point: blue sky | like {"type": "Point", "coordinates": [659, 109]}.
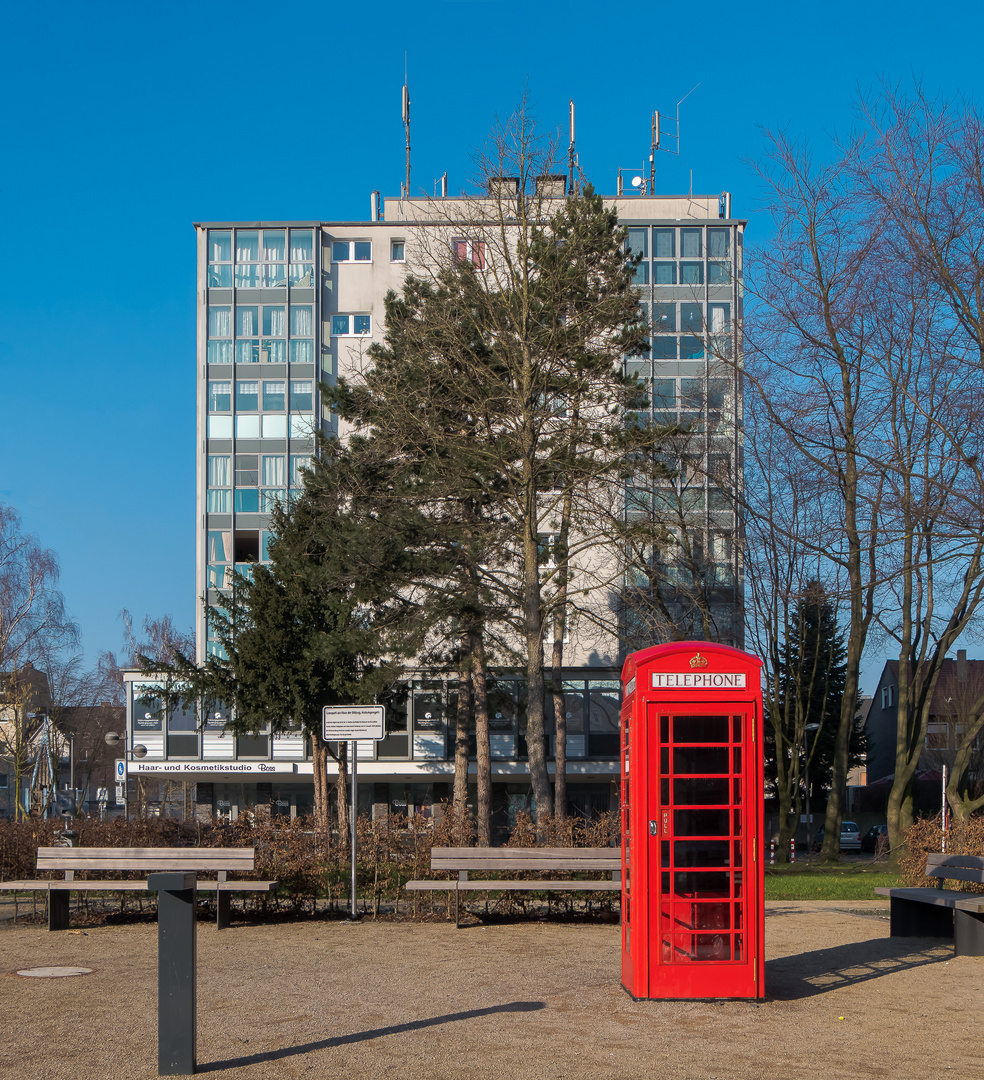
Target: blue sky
{"type": "Point", "coordinates": [123, 124]}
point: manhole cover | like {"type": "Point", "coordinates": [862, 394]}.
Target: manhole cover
{"type": "Point", "coordinates": [54, 972]}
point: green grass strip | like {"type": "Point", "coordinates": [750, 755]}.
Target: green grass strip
{"type": "Point", "coordinates": [827, 884]}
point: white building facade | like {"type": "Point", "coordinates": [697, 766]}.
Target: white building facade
{"type": "Point", "coordinates": [282, 306]}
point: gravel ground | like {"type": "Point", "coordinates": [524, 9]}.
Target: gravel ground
{"type": "Point", "coordinates": [525, 999]}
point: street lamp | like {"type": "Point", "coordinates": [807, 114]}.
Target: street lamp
{"type": "Point", "coordinates": [806, 766]}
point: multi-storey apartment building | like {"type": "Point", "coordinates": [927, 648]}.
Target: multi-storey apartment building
{"type": "Point", "coordinates": [283, 306]}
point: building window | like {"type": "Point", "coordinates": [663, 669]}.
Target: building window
{"type": "Point", "coordinates": [887, 697]}
{"type": "Point", "coordinates": [248, 426]}
{"type": "Point", "coordinates": [247, 466]}
{"type": "Point", "coordinates": [691, 348]}
{"type": "Point", "coordinates": [251, 321]}
{"type": "Point", "coordinates": [247, 395]}
{"type": "Point", "coordinates": [398, 251]}
{"type": "Point", "coordinates": [719, 318]}
{"type": "Point", "coordinates": [351, 251]}
{"type": "Point", "coordinates": [220, 258]}
{"type": "Point", "coordinates": [937, 737]}
{"type": "Point", "coordinates": [664, 243]}
{"type": "Point", "coordinates": [301, 334]}
{"type": "Point", "coordinates": [301, 395]}
{"type": "Point", "coordinates": [719, 243]}
{"type": "Point", "coordinates": [261, 258]}
{"type": "Point", "coordinates": [273, 473]}
{"type": "Point", "coordinates": [298, 463]}
{"type": "Point", "coordinates": [691, 243]}
{"type": "Point", "coordinates": [664, 318]}
{"type": "Point", "coordinates": [247, 501]}
{"type": "Point", "coordinates": [219, 471]}
{"type": "Point", "coordinates": [220, 427]}
{"type": "Point", "coordinates": [218, 497]}
{"type": "Point", "coordinates": [472, 251]}
{"type": "Point", "coordinates": [665, 348]}
{"type": "Point", "coordinates": [220, 334]}
{"type": "Point", "coordinates": [665, 273]}
{"type": "Point", "coordinates": [219, 396]}
{"type": "Point", "coordinates": [274, 426]}
{"type": "Point", "coordinates": [691, 273]}
{"type": "Point", "coordinates": [718, 273]}
{"type": "Point", "coordinates": [301, 257]}
{"type": "Point", "coordinates": [351, 325]}
{"type": "Point", "coordinates": [274, 395]}
{"type": "Point", "coordinates": [692, 318]}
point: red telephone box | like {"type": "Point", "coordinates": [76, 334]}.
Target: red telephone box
{"type": "Point", "coordinates": [692, 788]}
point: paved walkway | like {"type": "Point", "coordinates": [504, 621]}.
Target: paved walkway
{"type": "Point", "coordinates": [537, 1000]}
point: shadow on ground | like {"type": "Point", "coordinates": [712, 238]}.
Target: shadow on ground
{"type": "Point", "coordinates": [365, 1036]}
{"type": "Point", "coordinates": [804, 975]}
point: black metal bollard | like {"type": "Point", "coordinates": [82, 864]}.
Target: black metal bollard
{"type": "Point", "coordinates": [177, 962]}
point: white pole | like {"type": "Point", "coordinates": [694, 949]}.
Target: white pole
{"type": "Point", "coordinates": [354, 814]}
{"type": "Point", "coordinates": [943, 845]}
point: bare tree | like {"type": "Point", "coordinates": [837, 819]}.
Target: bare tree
{"type": "Point", "coordinates": [34, 629]}
{"type": "Point", "coordinates": [861, 357]}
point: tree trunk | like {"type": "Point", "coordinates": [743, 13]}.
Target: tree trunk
{"type": "Point", "coordinates": [560, 724]}
{"type": "Point", "coordinates": [535, 733]}
{"type": "Point", "coordinates": [341, 793]}
{"type": "Point", "coordinates": [483, 749]}
{"type": "Point", "coordinates": [459, 801]}
{"type": "Point", "coordinates": [319, 763]}
{"type": "Point", "coordinates": [557, 657]}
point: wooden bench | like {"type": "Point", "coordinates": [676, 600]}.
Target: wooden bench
{"type": "Point", "coordinates": [939, 912]}
{"type": "Point", "coordinates": [143, 860]}
{"type": "Point", "coordinates": [464, 860]}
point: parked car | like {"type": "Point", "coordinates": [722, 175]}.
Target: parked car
{"type": "Point", "coordinates": [850, 837]}
{"type": "Point", "coordinates": [875, 838]}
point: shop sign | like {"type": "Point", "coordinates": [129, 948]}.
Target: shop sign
{"type": "Point", "coordinates": [185, 768]}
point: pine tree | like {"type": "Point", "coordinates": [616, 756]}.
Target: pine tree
{"type": "Point", "coordinates": [314, 627]}
{"type": "Point", "coordinates": [809, 690]}
{"type": "Point", "coordinates": [499, 388]}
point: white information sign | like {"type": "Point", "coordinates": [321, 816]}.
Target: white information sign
{"type": "Point", "coordinates": [121, 793]}
{"type": "Point", "coordinates": [698, 680]}
{"type": "Point", "coordinates": [120, 770]}
{"type": "Point", "coordinates": [342, 723]}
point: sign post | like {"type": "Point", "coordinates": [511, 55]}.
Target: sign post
{"type": "Point", "coordinates": [348, 723]}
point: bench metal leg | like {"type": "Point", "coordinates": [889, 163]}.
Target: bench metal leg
{"type": "Point", "coordinates": [911, 918]}
{"type": "Point", "coordinates": [223, 909]}
{"type": "Point", "coordinates": [968, 932]}
{"type": "Point", "coordinates": [58, 909]}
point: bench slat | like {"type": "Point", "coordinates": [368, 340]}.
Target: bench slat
{"type": "Point", "coordinates": [526, 859]}
{"type": "Point", "coordinates": [130, 886]}
{"type": "Point", "coordinates": [95, 858]}
{"type": "Point", "coordinates": [146, 864]}
{"type": "Point", "coordinates": [530, 864]}
{"type": "Point", "coordinates": [526, 853]}
{"type": "Point", "coordinates": [513, 886]}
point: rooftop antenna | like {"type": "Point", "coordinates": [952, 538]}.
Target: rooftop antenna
{"type": "Point", "coordinates": [406, 124]}
{"type": "Point", "coordinates": [570, 153]}
{"type": "Point", "coordinates": [675, 135]}
{"type": "Point", "coordinates": [652, 153]}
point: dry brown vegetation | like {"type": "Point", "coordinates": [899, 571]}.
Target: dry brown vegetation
{"type": "Point", "coordinates": [926, 835]}
{"type": "Point", "coordinates": [313, 868]}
